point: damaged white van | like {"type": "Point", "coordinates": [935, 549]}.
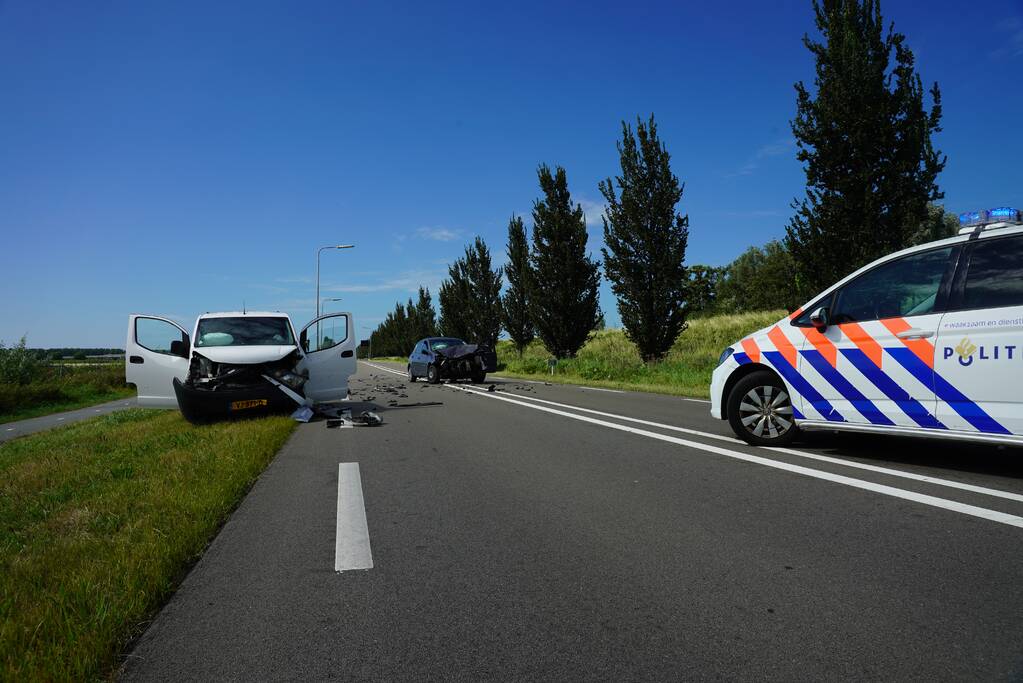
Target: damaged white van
{"type": "Point", "coordinates": [236, 364]}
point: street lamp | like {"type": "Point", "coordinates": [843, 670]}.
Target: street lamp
{"type": "Point", "coordinates": [326, 300]}
{"type": "Point", "coordinates": [367, 327]}
{"type": "Point", "coordinates": [318, 251]}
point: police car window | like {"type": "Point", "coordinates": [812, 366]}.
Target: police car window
{"type": "Point", "coordinates": [907, 286]}
{"type": "Point", "coordinates": [995, 276]}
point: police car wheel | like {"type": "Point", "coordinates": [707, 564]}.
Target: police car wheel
{"type": "Point", "coordinates": [760, 410]}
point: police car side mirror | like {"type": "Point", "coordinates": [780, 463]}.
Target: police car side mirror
{"type": "Point", "coordinates": [819, 319]}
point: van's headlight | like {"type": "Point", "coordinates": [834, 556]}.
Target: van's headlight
{"type": "Point", "coordinates": [725, 355]}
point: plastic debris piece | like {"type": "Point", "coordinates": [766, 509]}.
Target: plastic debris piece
{"type": "Point", "coordinates": [303, 414]}
{"type": "Point", "coordinates": [492, 388]}
{"type": "Point", "coordinates": [368, 419]}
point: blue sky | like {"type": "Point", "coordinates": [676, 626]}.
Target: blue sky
{"type": "Point", "coordinates": [177, 158]}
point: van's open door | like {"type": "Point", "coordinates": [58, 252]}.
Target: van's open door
{"type": "Point", "coordinates": [155, 353]}
{"type": "Point", "coordinates": [329, 347]}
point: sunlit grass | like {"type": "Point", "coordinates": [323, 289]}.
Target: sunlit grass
{"type": "Point", "coordinates": [62, 387]}
{"type": "Point", "coordinates": [609, 359]}
{"type": "Point", "coordinates": [99, 520]}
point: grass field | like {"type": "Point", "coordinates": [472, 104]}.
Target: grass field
{"type": "Point", "coordinates": [98, 522]}
{"type": "Point", "coordinates": [55, 388]}
{"type": "Point", "coordinates": [610, 360]}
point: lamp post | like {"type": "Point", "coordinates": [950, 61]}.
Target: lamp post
{"type": "Point", "coordinates": [367, 327]}
{"type": "Point", "coordinates": [318, 252]}
{"type": "Point", "coordinates": [326, 300]}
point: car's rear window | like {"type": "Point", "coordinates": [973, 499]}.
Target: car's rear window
{"type": "Point", "coordinates": [244, 331]}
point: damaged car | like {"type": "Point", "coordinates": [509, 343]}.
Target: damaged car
{"type": "Point", "coordinates": [437, 358]}
{"type": "Point", "coordinates": [236, 364]}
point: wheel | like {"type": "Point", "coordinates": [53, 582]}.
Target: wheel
{"type": "Point", "coordinates": [760, 410]}
{"type": "Point", "coordinates": [479, 377]}
{"type": "Point", "coordinates": [411, 375]}
{"type": "Point", "coordinates": [432, 374]}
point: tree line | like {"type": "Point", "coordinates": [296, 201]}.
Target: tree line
{"type": "Point", "coordinates": [864, 138]}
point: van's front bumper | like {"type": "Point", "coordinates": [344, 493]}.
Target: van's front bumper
{"type": "Point", "coordinates": [199, 405]}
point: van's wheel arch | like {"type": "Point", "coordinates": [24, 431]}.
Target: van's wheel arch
{"type": "Point", "coordinates": [759, 409]}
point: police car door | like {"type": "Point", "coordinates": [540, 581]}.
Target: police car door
{"type": "Point", "coordinates": [873, 361]}
{"type": "Point", "coordinates": [979, 363]}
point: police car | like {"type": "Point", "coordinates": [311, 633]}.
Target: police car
{"type": "Point", "coordinates": [927, 341]}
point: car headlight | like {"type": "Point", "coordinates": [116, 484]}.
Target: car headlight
{"type": "Point", "coordinates": [725, 355]}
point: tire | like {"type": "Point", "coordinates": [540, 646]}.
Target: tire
{"type": "Point", "coordinates": [479, 377]}
{"type": "Point", "coordinates": [411, 375]}
{"type": "Point", "coordinates": [432, 374]}
{"type": "Point", "coordinates": [754, 423]}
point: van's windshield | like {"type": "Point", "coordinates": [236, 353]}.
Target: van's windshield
{"type": "Point", "coordinates": [244, 331]}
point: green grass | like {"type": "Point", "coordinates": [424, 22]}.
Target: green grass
{"type": "Point", "coordinates": [57, 389]}
{"type": "Point", "coordinates": [610, 360]}
{"type": "Point", "coordinates": [98, 522]}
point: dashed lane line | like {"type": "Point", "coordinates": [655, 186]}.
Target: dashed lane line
{"type": "Point", "coordinates": [351, 543]}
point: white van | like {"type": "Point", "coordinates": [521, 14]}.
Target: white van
{"type": "Point", "coordinates": [239, 363]}
{"type": "Point", "coordinates": [924, 342]}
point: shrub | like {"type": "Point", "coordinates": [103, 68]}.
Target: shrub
{"type": "Point", "coordinates": [18, 365]}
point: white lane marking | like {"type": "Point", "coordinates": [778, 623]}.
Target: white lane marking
{"type": "Point", "coordinates": [610, 391]}
{"type": "Point", "coordinates": [933, 501]}
{"type": "Point", "coordinates": [516, 379]}
{"type": "Point", "coordinates": [379, 367]}
{"type": "Point", "coordinates": [694, 400]}
{"type": "Point", "coordinates": [351, 546]}
{"type": "Point", "coordinates": [10, 429]}
{"type": "Point", "coordinates": [950, 483]}
{"type": "Point", "coordinates": [59, 419]}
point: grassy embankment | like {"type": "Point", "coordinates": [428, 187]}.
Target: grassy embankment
{"type": "Point", "coordinates": [55, 388]}
{"type": "Point", "coordinates": [610, 360]}
{"type": "Point", "coordinates": [98, 522]}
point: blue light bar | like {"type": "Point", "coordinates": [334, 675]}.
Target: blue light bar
{"type": "Point", "coordinates": [1003, 214]}
{"type": "Point", "coordinates": [971, 218]}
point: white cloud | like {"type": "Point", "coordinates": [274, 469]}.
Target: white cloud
{"type": "Point", "coordinates": [773, 149]}
{"type": "Point", "coordinates": [438, 234]}
{"type": "Point", "coordinates": [407, 281]}
{"type": "Point", "coordinates": [1012, 45]}
{"type": "Point", "coordinates": [593, 210]}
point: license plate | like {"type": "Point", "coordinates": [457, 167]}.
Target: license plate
{"type": "Point", "coordinates": [242, 405]}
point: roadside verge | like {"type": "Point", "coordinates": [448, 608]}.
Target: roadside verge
{"type": "Point", "coordinates": [99, 522]}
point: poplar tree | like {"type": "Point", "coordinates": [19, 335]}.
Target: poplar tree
{"type": "Point", "coordinates": [470, 299]}
{"type": "Point", "coordinates": [864, 138]}
{"type": "Point", "coordinates": [514, 309]}
{"type": "Point", "coordinates": [563, 281]}
{"type": "Point", "coordinates": [646, 242]}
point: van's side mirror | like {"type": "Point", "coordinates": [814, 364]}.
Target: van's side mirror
{"type": "Point", "coordinates": [179, 347]}
{"type": "Point", "coordinates": [819, 319]}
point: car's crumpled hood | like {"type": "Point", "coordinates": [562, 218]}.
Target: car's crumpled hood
{"type": "Point", "coordinates": [245, 355]}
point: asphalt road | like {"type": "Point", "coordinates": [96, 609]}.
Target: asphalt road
{"type": "Point", "coordinates": [11, 430]}
{"type": "Point", "coordinates": [513, 539]}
